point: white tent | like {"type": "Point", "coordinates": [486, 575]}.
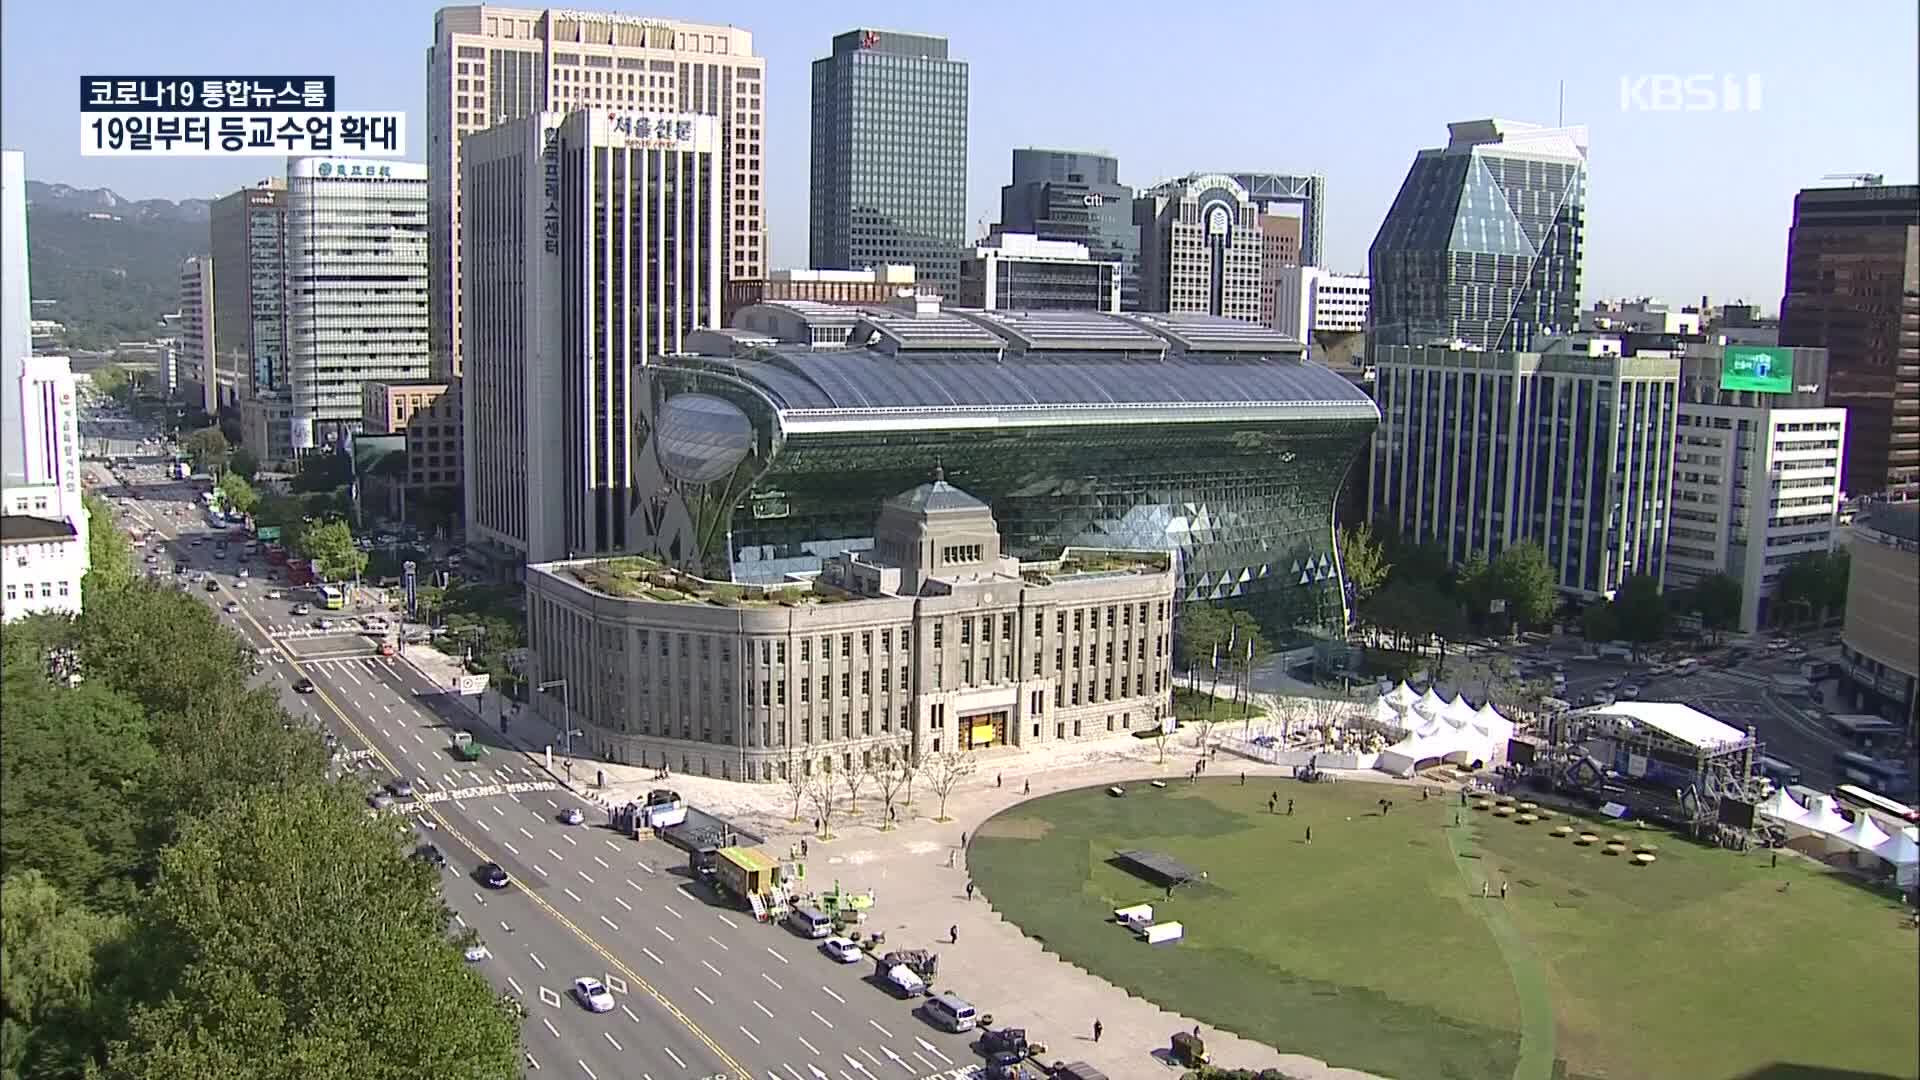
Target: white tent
{"type": "Point", "coordinates": [1385, 715]}
{"type": "Point", "coordinates": [1498, 729]}
{"type": "Point", "coordinates": [1445, 744]}
{"type": "Point", "coordinates": [1781, 807]}
{"type": "Point", "coordinates": [1401, 697]}
{"type": "Point", "coordinates": [1430, 703]}
{"type": "Point", "coordinates": [1902, 848]}
{"type": "Point", "coordinates": [1458, 712]}
{"type": "Point", "coordinates": [1863, 834]}
{"type": "Point", "coordinates": [1821, 817]}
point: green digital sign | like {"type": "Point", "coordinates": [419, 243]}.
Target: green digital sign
{"type": "Point", "coordinates": [1762, 369]}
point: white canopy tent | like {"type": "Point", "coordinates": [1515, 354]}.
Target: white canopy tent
{"type": "Point", "coordinates": [1458, 712]}
{"type": "Point", "coordinates": [1821, 818]}
{"type": "Point", "coordinates": [1386, 716]}
{"type": "Point", "coordinates": [1401, 697]}
{"type": "Point", "coordinates": [1863, 835]}
{"type": "Point", "coordinates": [1781, 806]}
{"type": "Point", "coordinates": [1430, 703]}
{"type": "Point", "coordinates": [1903, 851]}
{"type": "Point", "coordinates": [1435, 742]}
{"type": "Point", "coordinates": [1488, 722]}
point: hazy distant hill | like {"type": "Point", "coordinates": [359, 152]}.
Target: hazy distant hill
{"type": "Point", "coordinates": [112, 264]}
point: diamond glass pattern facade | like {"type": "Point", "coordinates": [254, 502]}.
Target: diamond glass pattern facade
{"type": "Point", "coordinates": [1081, 429]}
{"type": "Point", "coordinates": [1482, 245]}
{"type": "Point", "coordinates": [889, 164]}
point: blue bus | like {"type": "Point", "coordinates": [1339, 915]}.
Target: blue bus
{"type": "Point", "coordinates": [1888, 778]}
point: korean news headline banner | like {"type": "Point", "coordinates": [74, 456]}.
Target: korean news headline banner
{"type": "Point", "coordinates": [229, 115]}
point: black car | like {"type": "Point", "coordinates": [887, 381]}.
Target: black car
{"type": "Point", "coordinates": [431, 855]}
{"type": "Point", "coordinates": [212, 585]}
{"type": "Point", "coordinates": [492, 875]}
{"type": "Point", "coordinates": [303, 686]}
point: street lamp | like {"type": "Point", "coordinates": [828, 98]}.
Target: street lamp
{"type": "Point", "coordinates": [566, 717]}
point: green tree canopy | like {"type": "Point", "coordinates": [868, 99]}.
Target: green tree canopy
{"type": "Point", "coordinates": [288, 936]}
{"type": "Point", "coordinates": [1813, 586]}
{"type": "Point", "coordinates": [323, 472]}
{"type": "Point", "coordinates": [1417, 560]}
{"type": "Point", "coordinates": [239, 494]}
{"type": "Point", "coordinates": [113, 381]}
{"type": "Point", "coordinates": [1639, 610]}
{"type": "Point", "coordinates": [50, 1007]}
{"type": "Point", "coordinates": [1717, 599]}
{"type": "Point", "coordinates": [205, 448]}
{"type": "Point", "coordinates": [109, 555]}
{"type": "Point", "coordinates": [244, 463]}
{"type": "Point", "coordinates": [1475, 585]}
{"type": "Point", "coordinates": [330, 544]}
{"type": "Point", "coordinates": [1205, 628]}
{"type": "Point", "coordinates": [1363, 559]}
{"type": "Point", "coordinates": [1523, 578]}
{"type": "Point", "coordinates": [1597, 622]}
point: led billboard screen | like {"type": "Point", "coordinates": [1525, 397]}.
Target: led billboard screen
{"type": "Point", "coordinates": [1759, 368]}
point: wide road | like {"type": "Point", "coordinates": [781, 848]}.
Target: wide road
{"type": "Point", "coordinates": [703, 989]}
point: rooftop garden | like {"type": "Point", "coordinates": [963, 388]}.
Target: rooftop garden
{"type": "Point", "coordinates": [635, 577]}
{"type": "Point", "coordinates": [1094, 561]}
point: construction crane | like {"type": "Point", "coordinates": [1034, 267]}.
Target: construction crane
{"type": "Point", "coordinates": [1860, 179]}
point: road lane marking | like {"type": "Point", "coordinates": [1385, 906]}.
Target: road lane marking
{"type": "Point", "coordinates": [516, 986]}
{"type": "Point", "coordinates": [550, 1027]}
{"type": "Point", "coordinates": [924, 1060]}
{"type": "Point", "coordinates": [717, 941]}
{"type": "Point", "coordinates": [932, 1049]}
{"type": "Point", "coordinates": [602, 862]}
{"type": "Point", "coordinates": [496, 809]}
{"type": "Point", "coordinates": [777, 956]}
{"type": "Point", "coordinates": [611, 844]}
{"type": "Point", "coordinates": [763, 1008]}
{"type": "Point", "coordinates": [538, 962]}
{"type": "Point", "coordinates": [569, 839]}
{"type": "Point", "coordinates": [822, 1019]}
{"type": "Point", "coordinates": [510, 847]}
{"type": "Point", "coordinates": [833, 995]}
{"type": "Point", "coordinates": [728, 921]}
{"type": "Point", "coordinates": [636, 888]}
{"type": "Point", "coordinates": [643, 866]}
{"type": "Point", "coordinates": [878, 1028]}
{"type": "Point", "coordinates": [749, 1034]}
{"type": "Point", "coordinates": [769, 978]}
{"type": "Point", "coordinates": [675, 1057]}
{"type": "Point", "coordinates": [676, 914]}
{"type": "Point", "coordinates": [609, 1035]}
{"type": "Point", "coordinates": [652, 957]}
{"type": "Point", "coordinates": [570, 895]}
{"type": "Point", "coordinates": [525, 833]}
{"type": "Point", "coordinates": [631, 1015]}
{"type": "Point", "coordinates": [623, 903]}
{"type": "Point", "coordinates": [484, 827]}
{"type": "Point", "coordinates": [664, 934]}
{"type": "Point", "coordinates": [610, 924]}
{"type": "Point", "coordinates": [713, 969]}
{"type": "Point", "coordinates": [805, 1043]}
{"type": "Point", "coordinates": [583, 1068]}
{"type": "Point", "coordinates": [555, 854]}
{"type": "Point", "coordinates": [703, 995]}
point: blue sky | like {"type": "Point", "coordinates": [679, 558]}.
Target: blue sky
{"type": "Point", "coordinates": [1681, 203]}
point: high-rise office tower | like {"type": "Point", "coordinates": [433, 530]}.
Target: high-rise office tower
{"type": "Point", "coordinates": [1199, 247]}
{"type": "Point", "coordinates": [357, 283]}
{"type": "Point", "coordinates": [1483, 244]}
{"type": "Point", "coordinates": [1570, 448]}
{"type": "Point", "coordinates": [1076, 196]}
{"type": "Point", "coordinates": [1853, 288]}
{"type": "Point", "coordinates": [889, 159]}
{"type": "Point", "coordinates": [16, 311]}
{"type": "Point", "coordinates": [198, 358]}
{"type": "Point", "coordinates": [249, 230]}
{"type": "Point", "coordinates": [593, 243]}
{"type": "Point", "coordinates": [492, 64]}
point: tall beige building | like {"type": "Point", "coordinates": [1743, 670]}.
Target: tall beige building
{"type": "Point", "coordinates": [489, 65]}
{"type": "Point", "coordinates": [1200, 247]}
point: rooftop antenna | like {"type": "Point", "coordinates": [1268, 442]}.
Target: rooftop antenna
{"type": "Point", "coordinates": [1561, 119]}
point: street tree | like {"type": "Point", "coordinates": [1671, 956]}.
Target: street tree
{"type": "Point", "coordinates": [113, 381]}
{"type": "Point", "coordinates": [1813, 585]}
{"type": "Point", "coordinates": [330, 544]}
{"type": "Point", "coordinates": [944, 772]}
{"type": "Point", "coordinates": [916, 762]}
{"type": "Point", "coordinates": [822, 790]}
{"type": "Point", "coordinates": [1640, 612]}
{"type": "Point", "coordinates": [54, 1002]}
{"type": "Point", "coordinates": [238, 493]}
{"type": "Point", "coordinates": [1476, 587]}
{"type": "Point", "coordinates": [793, 773]}
{"type": "Point", "coordinates": [1597, 622]}
{"type": "Point", "coordinates": [854, 776]}
{"type": "Point", "coordinates": [1717, 599]}
{"type": "Point", "coordinates": [1416, 560]}
{"type": "Point", "coordinates": [1363, 559]}
{"type": "Point", "coordinates": [109, 555]}
{"type": "Point", "coordinates": [1524, 579]}
{"type": "Point", "coordinates": [892, 775]}
{"type": "Point", "coordinates": [288, 935]}
{"type": "Point", "coordinates": [206, 449]}
{"type": "Point", "coordinates": [245, 463]}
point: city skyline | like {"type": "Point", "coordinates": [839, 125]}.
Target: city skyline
{"type": "Point", "coordinates": [1665, 218]}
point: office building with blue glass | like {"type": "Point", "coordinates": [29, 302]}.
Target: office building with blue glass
{"type": "Point", "coordinates": [1076, 196]}
{"type": "Point", "coordinates": [1205, 436]}
{"type": "Point", "coordinates": [889, 156]}
{"type": "Point", "coordinates": [1482, 246]}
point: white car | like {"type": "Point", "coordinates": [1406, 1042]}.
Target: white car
{"type": "Point", "coordinates": [1630, 691]}
{"type": "Point", "coordinates": [588, 992]}
{"type": "Point", "coordinates": [273, 594]}
{"type": "Point", "coordinates": [572, 816]}
{"type": "Point", "coordinates": [841, 949]}
{"type": "Point", "coordinates": [1610, 684]}
{"type": "Point", "coordinates": [477, 953]}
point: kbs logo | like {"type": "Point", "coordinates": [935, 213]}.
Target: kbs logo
{"type": "Point", "coordinates": [1690, 93]}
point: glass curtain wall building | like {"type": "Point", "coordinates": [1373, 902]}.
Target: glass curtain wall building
{"type": "Point", "coordinates": [357, 287]}
{"type": "Point", "coordinates": [1571, 448]}
{"type": "Point", "coordinates": [1190, 433]}
{"type": "Point", "coordinates": [1071, 195]}
{"type": "Point", "coordinates": [249, 229]}
{"type": "Point", "coordinates": [889, 164]}
{"type": "Point", "coordinates": [1483, 244]}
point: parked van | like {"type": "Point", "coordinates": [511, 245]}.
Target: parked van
{"type": "Point", "coordinates": [810, 923]}
{"type": "Point", "coordinates": [951, 1013]}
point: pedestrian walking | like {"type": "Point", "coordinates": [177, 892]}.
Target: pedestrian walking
{"type": "Point", "coordinates": [1483, 890]}
{"type": "Point", "coordinates": [963, 839]}
{"type": "Point", "coordinates": [1272, 807]}
{"type": "Point", "coordinates": [803, 849]}
{"type": "Point", "coordinates": [1463, 796]}
{"type": "Point", "coordinates": [969, 890]}
{"type": "Point", "coordinates": [953, 935]}
{"type": "Point", "coordinates": [1773, 863]}
{"type": "Point", "coordinates": [1503, 890]}
{"type": "Point", "coordinates": [1098, 1027]}
{"type": "Point", "coordinates": [1027, 788]}
{"type": "Point", "coordinates": [1243, 779]}
{"type": "Point", "coordinates": [997, 778]}
{"type": "Point", "coordinates": [816, 825]}
{"type": "Point", "coordinates": [1289, 807]}
{"type": "Point", "coordinates": [1309, 835]}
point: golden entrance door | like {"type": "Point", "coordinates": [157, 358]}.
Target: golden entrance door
{"type": "Point", "coordinates": [982, 730]}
